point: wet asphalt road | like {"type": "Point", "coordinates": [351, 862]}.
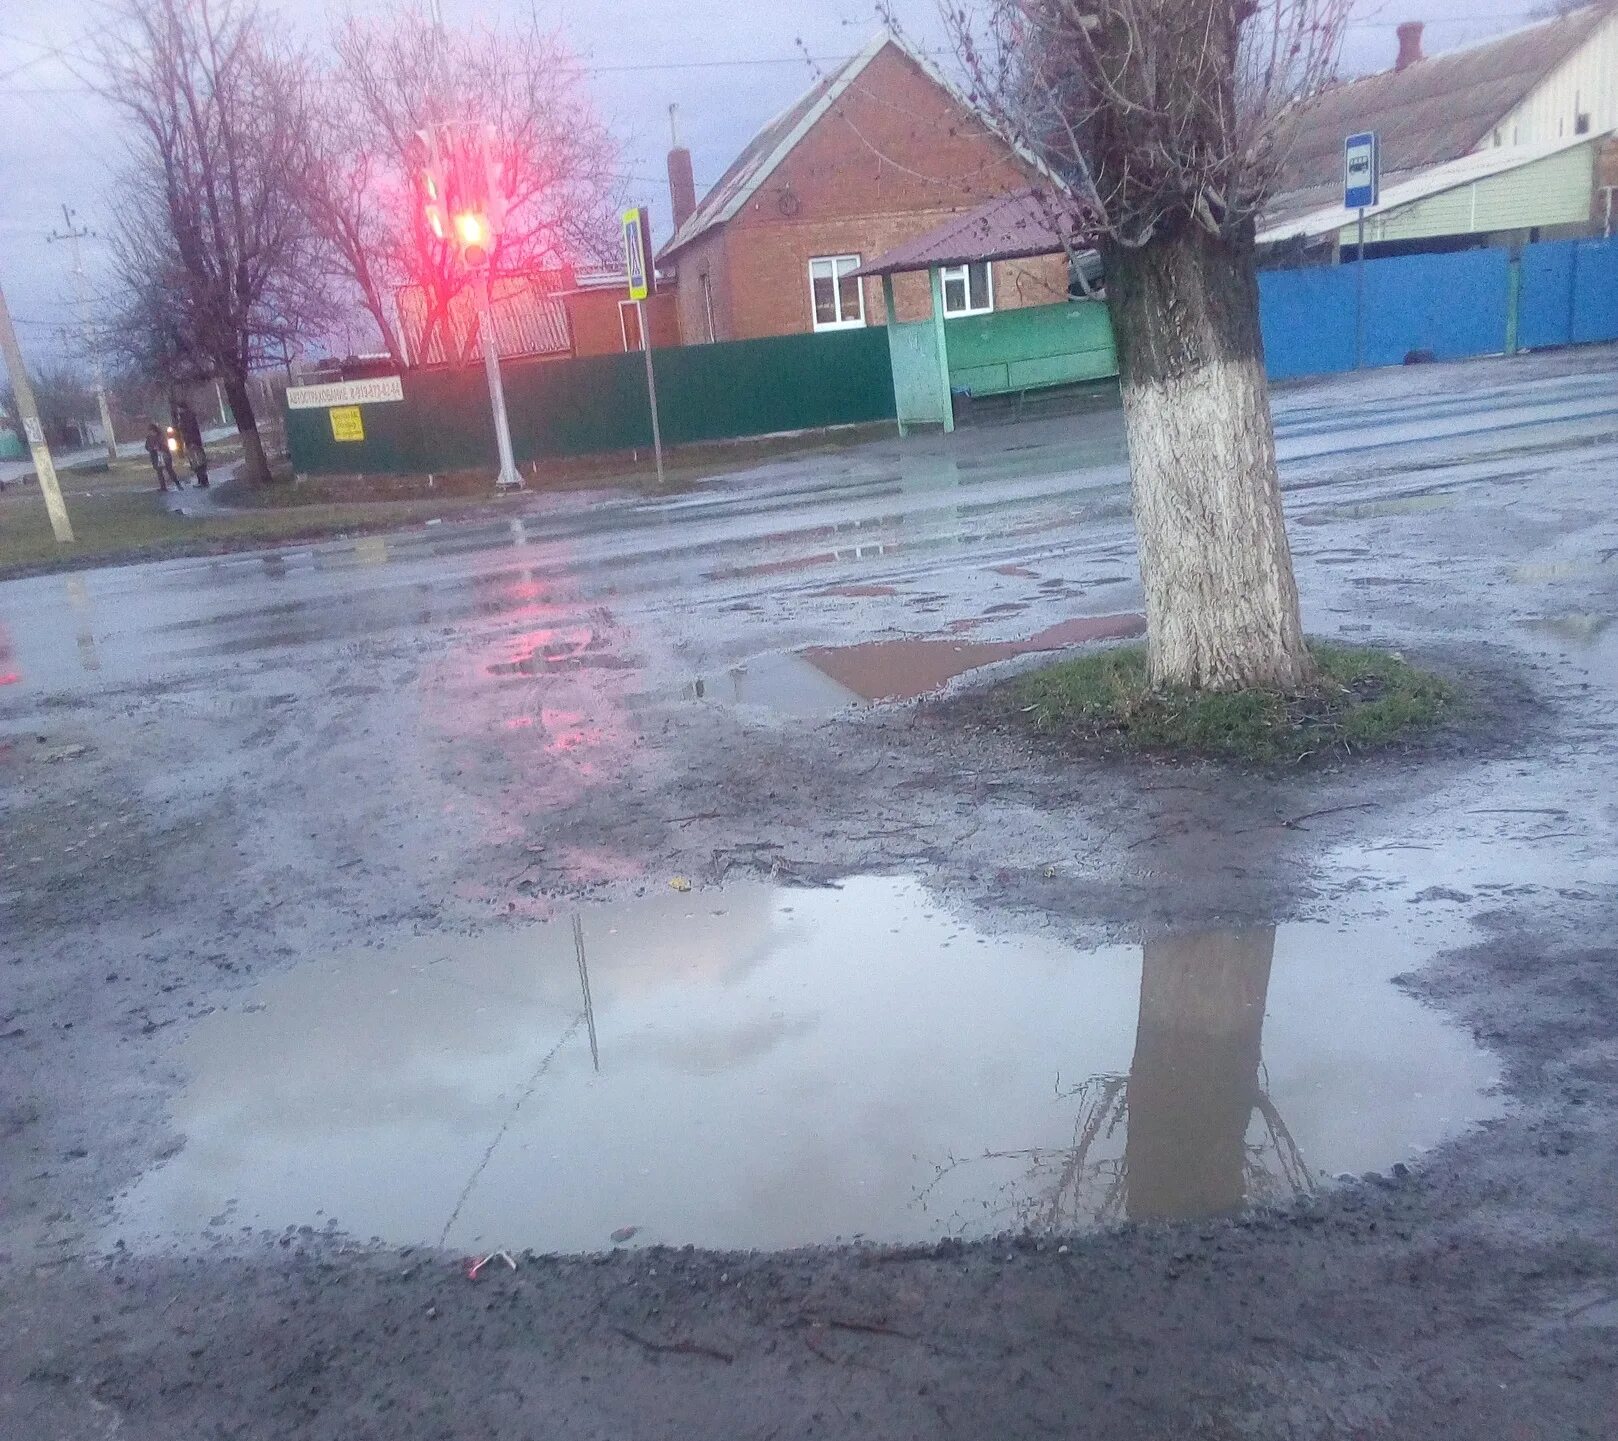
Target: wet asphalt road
{"type": "Point", "coordinates": [225, 780]}
{"type": "Point", "coordinates": [741, 566]}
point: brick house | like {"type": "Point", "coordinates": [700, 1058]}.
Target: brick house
{"type": "Point", "coordinates": [603, 320]}
{"type": "Point", "coordinates": [876, 153]}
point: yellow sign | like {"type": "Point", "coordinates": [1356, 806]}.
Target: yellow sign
{"type": "Point", "coordinates": [635, 255]}
{"type": "Point", "coordinates": [346, 423]}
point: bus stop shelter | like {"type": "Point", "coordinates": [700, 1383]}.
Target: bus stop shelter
{"type": "Point", "coordinates": [1000, 352]}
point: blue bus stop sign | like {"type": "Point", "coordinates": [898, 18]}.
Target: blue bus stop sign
{"type": "Point", "coordinates": [1362, 171]}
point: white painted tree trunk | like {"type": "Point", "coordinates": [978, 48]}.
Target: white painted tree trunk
{"type": "Point", "coordinates": [1221, 600]}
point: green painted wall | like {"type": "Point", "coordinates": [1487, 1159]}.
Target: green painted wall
{"type": "Point", "coordinates": [918, 392]}
{"type": "Point", "coordinates": [598, 404]}
{"type": "Point", "coordinates": [1026, 349]}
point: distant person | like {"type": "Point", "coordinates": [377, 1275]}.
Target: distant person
{"type": "Point", "coordinates": [191, 438]}
{"type": "Point", "coordinates": [157, 451]}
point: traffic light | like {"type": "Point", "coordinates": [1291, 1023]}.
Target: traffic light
{"type": "Point", "coordinates": [474, 236]}
{"type": "Point", "coordinates": [463, 194]}
{"type": "Point", "coordinates": [434, 185]}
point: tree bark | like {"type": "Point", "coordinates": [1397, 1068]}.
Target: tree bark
{"type": "Point", "coordinates": [1221, 599]}
{"type": "Point", "coordinates": [255, 465]}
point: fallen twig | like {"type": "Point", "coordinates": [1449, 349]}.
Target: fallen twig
{"type": "Point", "coordinates": [1296, 822]}
{"type": "Point", "coordinates": [678, 1348]}
{"type": "Point", "coordinates": [807, 1336]}
{"type": "Point", "coordinates": [873, 1328]}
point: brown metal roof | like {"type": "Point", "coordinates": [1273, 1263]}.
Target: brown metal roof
{"type": "Point", "coordinates": [1436, 109]}
{"type": "Point", "coordinates": [1012, 227]}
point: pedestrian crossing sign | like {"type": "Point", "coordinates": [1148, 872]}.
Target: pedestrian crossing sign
{"type": "Point", "coordinates": [635, 254]}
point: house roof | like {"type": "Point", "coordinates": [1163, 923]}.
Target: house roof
{"type": "Point", "coordinates": [1010, 227]}
{"type": "Point", "coordinates": [765, 151]}
{"type": "Point", "coordinates": [1306, 217]}
{"type": "Point", "coordinates": [1436, 109]}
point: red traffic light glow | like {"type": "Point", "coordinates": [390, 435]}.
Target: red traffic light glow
{"type": "Point", "coordinates": [472, 230]}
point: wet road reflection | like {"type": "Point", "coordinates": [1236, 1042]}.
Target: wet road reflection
{"type": "Point", "coordinates": [768, 1067]}
{"type": "Point", "coordinates": [855, 523]}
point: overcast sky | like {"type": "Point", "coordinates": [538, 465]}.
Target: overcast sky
{"type": "Point", "coordinates": [730, 66]}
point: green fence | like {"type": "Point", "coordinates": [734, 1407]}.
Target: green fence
{"type": "Point", "coordinates": [598, 405]}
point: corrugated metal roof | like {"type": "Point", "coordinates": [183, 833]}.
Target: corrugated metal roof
{"type": "Point", "coordinates": [528, 313]}
{"type": "Point", "coordinates": [1011, 227]}
{"type": "Point", "coordinates": [1436, 109]}
{"type": "Point", "coordinates": [1434, 180]}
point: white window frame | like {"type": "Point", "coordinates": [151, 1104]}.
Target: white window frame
{"type": "Point", "coordinates": [843, 322]}
{"type": "Point", "coordinates": [963, 273]}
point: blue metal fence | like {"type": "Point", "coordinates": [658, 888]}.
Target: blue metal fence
{"type": "Point", "coordinates": [1569, 293]}
{"type": "Point", "coordinates": [1444, 306]}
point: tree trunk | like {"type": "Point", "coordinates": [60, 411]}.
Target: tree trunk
{"type": "Point", "coordinates": [255, 465]}
{"type": "Point", "coordinates": [1221, 600]}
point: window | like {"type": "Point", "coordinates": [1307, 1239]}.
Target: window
{"type": "Point", "coordinates": [968, 289]}
{"type": "Point", "coordinates": [838, 298]}
{"type": "Point", "coordinates": [629, 324]}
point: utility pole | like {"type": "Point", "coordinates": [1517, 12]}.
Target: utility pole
{"type": "Point", "coordinates": [73, 235]}
{"type": "Point", "coordinates": [28, 412]}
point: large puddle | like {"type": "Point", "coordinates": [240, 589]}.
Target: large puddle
{"type": "Point", "coordinates": [764, 1067]}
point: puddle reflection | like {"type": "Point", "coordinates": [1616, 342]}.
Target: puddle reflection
{"type": "Point", "coordinates": [762, 1067]}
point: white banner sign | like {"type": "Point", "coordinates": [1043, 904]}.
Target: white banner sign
{"type": "Point", "coordinates": [345, 392]}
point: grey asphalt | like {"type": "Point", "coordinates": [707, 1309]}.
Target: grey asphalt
{"type": "Point", "coordinates": [929, 511]}
{"type": "Point", "coordinates": [293, 841]}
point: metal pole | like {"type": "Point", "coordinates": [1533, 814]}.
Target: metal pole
{"type": "Point", "coordinates": [651, 387]}
{"type": "Point", "coordinates": [508, 478]}
{"type": "Point", "coordinates": [1359, 296]}
{"type": "Point", "coordinates": [73, 235]}
{"type": "Point", "coordinates": [44, 468]}
{"type": "Point", "coordinates": [941, 347]}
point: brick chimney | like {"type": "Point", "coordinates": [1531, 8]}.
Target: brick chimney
{"type": "Point", "coordinates": [682, 181]}
{"type": "Point", "coordinates": [1409, 44]}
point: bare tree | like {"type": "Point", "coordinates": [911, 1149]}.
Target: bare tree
{"type": "Point", "coordinates": [1168, 117]}
{"type": "Point", "coordinates": [210, 254]}
{"type": "Point", "coordinates": [519, 89]}
{"type": "Point", "coordinates": [65, 398]}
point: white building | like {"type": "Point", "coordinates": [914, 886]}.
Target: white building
{"type": "Point", "coordinates": [1497, 129]}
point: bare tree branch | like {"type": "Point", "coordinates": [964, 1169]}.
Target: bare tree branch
{"type": "Point", "coordinates": [393, 78]}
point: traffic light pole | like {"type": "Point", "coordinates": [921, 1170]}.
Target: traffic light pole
{"type": "Point", "coordinates": [28, 413]}
{"type": "Point", "coordinates": [508, 478]}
